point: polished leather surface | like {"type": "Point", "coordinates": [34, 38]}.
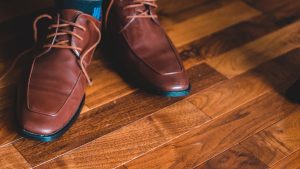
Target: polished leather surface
{"type": "Point", "coordinates": [144, 48]}
{"type": "Point", "coordinates": [55, 84]}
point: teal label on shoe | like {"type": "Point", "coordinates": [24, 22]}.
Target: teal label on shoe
{"type": "Point", "coordinates": [91, 7]}
{"type": "Point", "coordinates": [97, 12]}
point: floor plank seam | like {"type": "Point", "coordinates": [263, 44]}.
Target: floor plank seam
{"type": "Point", "coordinates": [105, 133]}
{"type": "Point", "coordinates": [153, 149]}
{"type": "Point", "coordinates": [248, 136]}
{"type": "Point", "coordinates": [252, 153]}
{"type": "Point", "coordinates": [133, 121]}
{"type": "Point", "coordinates": [184, 134]}
{"type": "Point", "coordinates": [10, 143]}
{"type": "Point", "coordinates": [23, 156]}
{"type": "Point", "coordinates": [127, 126]}
{"type": "Point", "coordinates": [244, 138]}
{"type": "Point", "coordinates": [138, 89]}
{"type": "Point", "coordinates": [206, 123]}
{"type": "Point", "coordinates": [215, 155]}
{"type": "Point", "coordinates": [275, 164]}
{"type": "Point", "coordinates": [236, 107]}
{"type": "Point", "coordinates": [252, 6]}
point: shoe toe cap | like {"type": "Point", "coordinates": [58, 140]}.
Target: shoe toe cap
{"type": "Point", "coordinates": [172, 83]}
{"type": "Point", "coordinates": [38, 124]}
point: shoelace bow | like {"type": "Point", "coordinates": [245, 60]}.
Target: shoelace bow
{"type": "Point", "coordinates": [55, 43]}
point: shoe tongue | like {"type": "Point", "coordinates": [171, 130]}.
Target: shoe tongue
{"type": "Point", "coordinates": [69, 14]}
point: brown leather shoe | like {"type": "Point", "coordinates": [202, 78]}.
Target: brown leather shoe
{"type": "Point", "coordinates": [143, 47]}
{"type": "Point", "coordinates": [53, 94]}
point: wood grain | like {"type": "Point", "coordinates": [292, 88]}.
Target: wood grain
{"type": "Point", "coordinates": [234, 158]}
{"type": "Point", "coordinates": [276, 75]}
{"type": "Point", "coordinates": [287, 131]}
{"type": "Point", "coordinates": [238, 34]}
{"type": "Point", "coordinates": [188, 30]}
{"type": "Point", "coordinates": [265, 148]}
{"type": "Point", "coordinates": [264, 49]}
{"type": "Point", "coordinates": [171, 6]}
{"type": "Point", "coordinates": [172, 12]}
{"type": "Point", "coordinates": [7, 115]}
{"type": "Point", "coordinates": [107, 85]}
{"type": "Point", "coordinates": [278, 9]}
{"type": "Point", "coordinates": [202, 143]}
{"type": "Point", "coordinates": [133, 140]}
{"type": "Point", "coordinates": [254, 43]}
{"type": "Point", "coordinates": [277, 141]}
{"type": "Point", "coordinates": [290, 162]}
{"type": "Point", "coordinates": [11, 158]}
{"type": "Point", "coordinates": [110, 117]}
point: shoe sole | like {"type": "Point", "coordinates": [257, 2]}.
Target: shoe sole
{"type": "Point", "coordinates": [52, 137]}
{"type": "Point", "coordinates": [172, 93]}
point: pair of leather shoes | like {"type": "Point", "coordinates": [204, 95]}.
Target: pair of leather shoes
{"type": "Point", "coordinates": [52, 94]}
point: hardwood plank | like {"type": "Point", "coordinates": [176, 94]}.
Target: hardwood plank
{"type": "Point", "coordinates": [265, 148]}
{"type": "Point", "coordinates": [188, 31]}
{"type": "Point", "coordinates": [291, 62]}
{"type": "Point", "coordinates": [277, 8]}
{"type": "Point", "coordinates": [8, 130]}
{"type": "Point", "coordinates": [7, 115]}
{"type": "Point", "coordinates": [231, 94]}
{"type": "Point", "coordinates": [267, 5]}
{"type": "Point", "coordinates": [276, 142]}
{"type": "Point", "coordinates": [239, 34]}
{"type": "Point", "coordinates": [171, 6]}
{"type": "Point", "coordinates": [11, 158]}
{"type": "Point", "coordinates": [107, 84]}
{"type": "Point", "coordinates": [172, 12]}
{"type": "Point", "coordinates": [276, 75]}
{"type": "Point", "coordinates": [240, 60]}
{"type": "Point", "coordinates": [216, 136]}
{"type": "Point", "coordinates": [234, 158]}
{"type": "Point", "coordinates": [133, 140]}
{"type": "Point", "coordinates": [110, 117]}
{"type": "Point", "coordinates": [85, 109]}
{"type": "Point", "coordinates": [290, 162]}
{"type": "Point", "coordinates": [226, 39]}
{"type": "Point", "coordinates": [286, 132]}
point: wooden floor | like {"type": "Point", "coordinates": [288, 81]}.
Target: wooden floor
{"type": "Point", "coordinates": [241, 56]}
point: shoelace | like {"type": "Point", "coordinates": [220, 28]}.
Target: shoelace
{"type": "Point", "coordinates": [140, 13]}
{"type": "Point", "coordinates": [64, 44]}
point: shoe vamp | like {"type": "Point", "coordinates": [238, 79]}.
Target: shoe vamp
{"type": "Point", "coordinates": [148, 41]}
{"type": "Point", "coordinates": [52, 81]}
